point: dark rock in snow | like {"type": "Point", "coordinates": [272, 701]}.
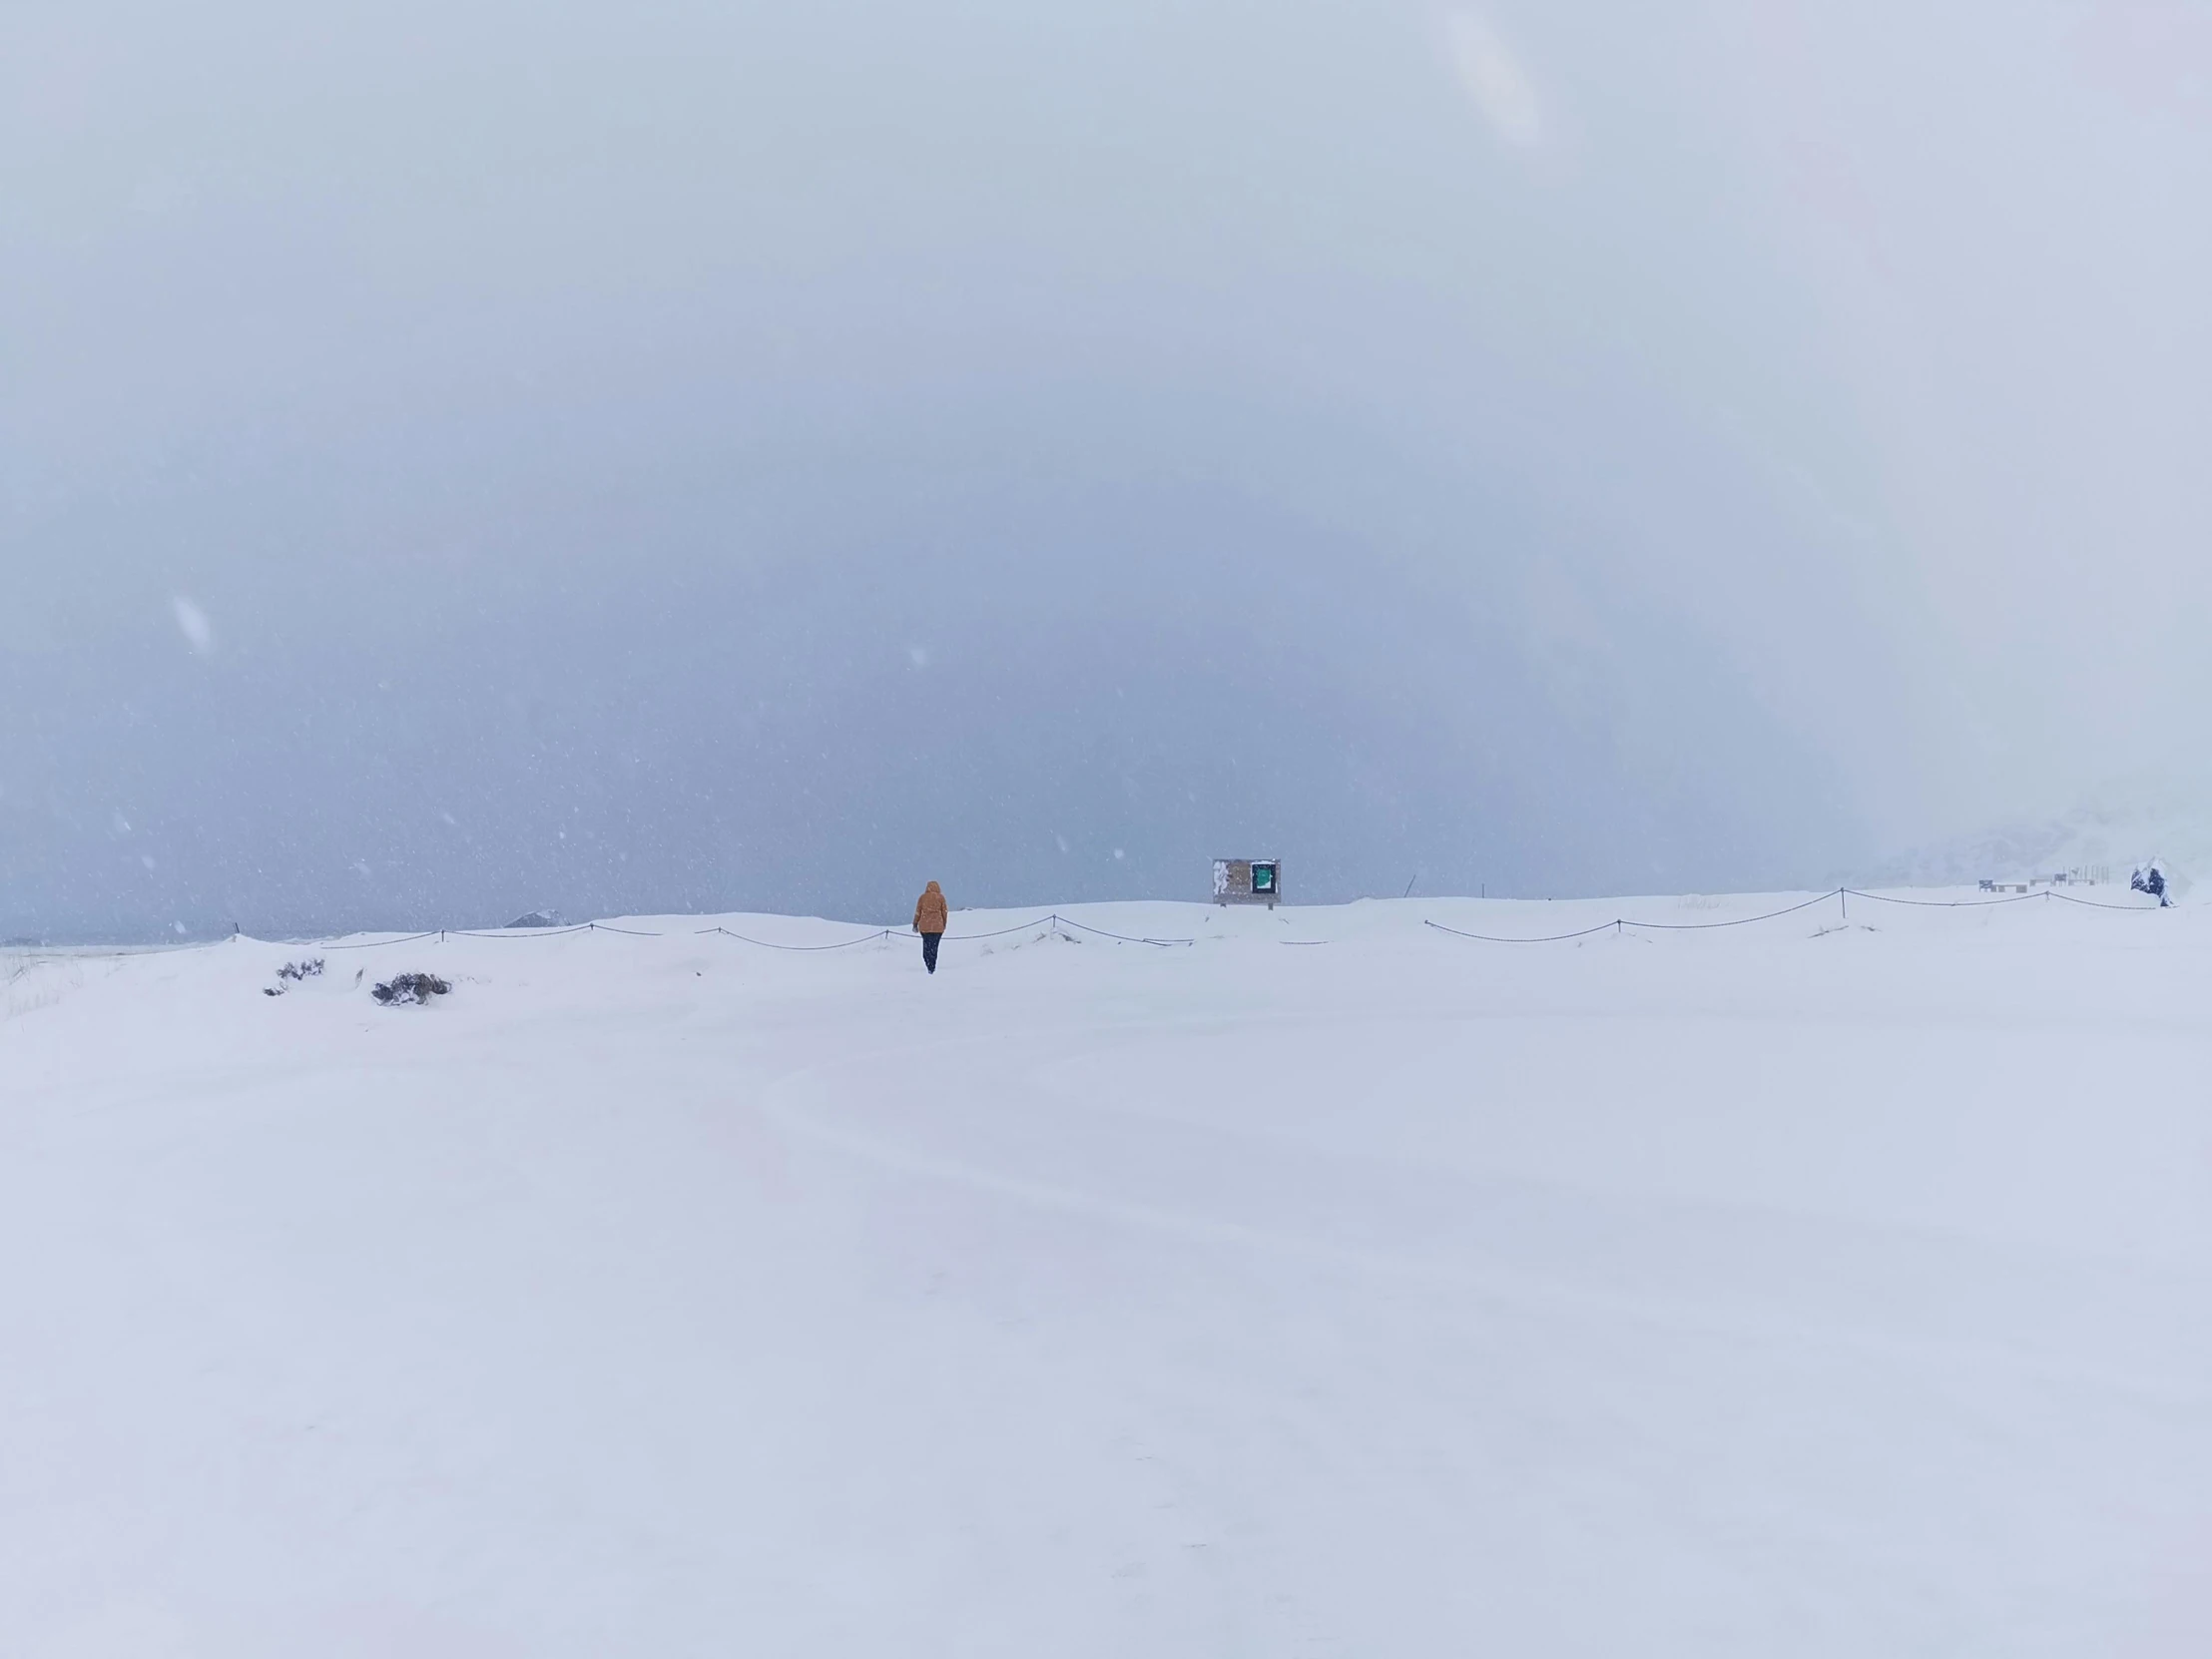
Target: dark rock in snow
{"type": "Point", "coordinates": [409, 987]}
{"type": "Point", "coordinates": [537, 919]}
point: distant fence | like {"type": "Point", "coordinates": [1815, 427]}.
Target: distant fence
{"type": "Point", "coordinates": [1053, 922]}
{"type": "Point", "coordinates": [1840, 898]}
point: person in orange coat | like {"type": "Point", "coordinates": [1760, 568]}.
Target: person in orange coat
{"type": "Point", "coordinates": [931, 912]}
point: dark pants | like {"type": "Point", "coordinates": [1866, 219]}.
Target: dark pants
{"type": "Point", "coordinates": [929, 950]}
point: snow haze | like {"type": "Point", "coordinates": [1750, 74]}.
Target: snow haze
{"type": "Point", "coordinates": [458, 458]}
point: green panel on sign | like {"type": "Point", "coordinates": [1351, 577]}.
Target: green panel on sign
{"type": "Point", "coordinates": [1263, 877]}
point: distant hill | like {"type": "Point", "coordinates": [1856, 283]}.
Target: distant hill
{"type": "Point", "coordinates": [2174, 830]}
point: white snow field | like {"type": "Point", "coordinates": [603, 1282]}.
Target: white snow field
{"type": "Point", "coordinates": [1331, 1286]}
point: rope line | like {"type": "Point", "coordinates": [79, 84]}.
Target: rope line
{"type": "Point", "coordinates": [1737, 922]}
{"type": "Point", "coordinates": [2100, 904]}
{"type": "Point", "coordinates": [1052, 921]}
{"type": "Point", "coordinates": [529, 934]}
{"type": "Point", "coordinates": [371, 945]}
{"type": "Point", "coordinates": [1840, 895]}
{"type": "Point", "coordinates": [771, 944]}
{"type": "Point", "coordinates": [1943, 903]}
{"type": "Point", "coordinates": [1085, 928]}
{"type": "Point", "coordinates": [1548, 938]}
{"type": "Point", "coordinates": [995, 933]}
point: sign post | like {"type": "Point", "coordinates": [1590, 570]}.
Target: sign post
{"type": "Point", "coordinates": [1248, 882]}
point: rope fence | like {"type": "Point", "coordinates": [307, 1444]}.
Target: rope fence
{"type": "Point", "coordinates": [1613, 926]}
{"type": "Point", "coordinates": [371, 945]}
{"type": "Point", "coordinates": [1054, 923]}
{"type": "Point", "coordinates": [771, 944]}
{"type": "Point", "coordinates": [1739, 921]}
{"type": "Point", "coordinates": [1842, 898]}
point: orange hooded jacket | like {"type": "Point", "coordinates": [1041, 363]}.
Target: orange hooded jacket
{"type": "Point", "coordinates": [931, 911]}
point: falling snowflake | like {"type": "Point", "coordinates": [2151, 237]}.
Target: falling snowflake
{"type": "Point", "coordinates": [197, 629]}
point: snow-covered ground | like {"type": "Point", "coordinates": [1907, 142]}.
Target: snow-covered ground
{"type": "Point", "coordinates": [1328, 1286]}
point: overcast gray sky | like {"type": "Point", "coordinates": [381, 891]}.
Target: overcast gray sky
{"type": "Point", "coordinates": [469, 455]}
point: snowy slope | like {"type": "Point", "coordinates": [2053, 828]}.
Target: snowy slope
{"type": "Point", "coordinates": [1330, 1286]}
{"type": "Point", "coordinates": [2127, 826]}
